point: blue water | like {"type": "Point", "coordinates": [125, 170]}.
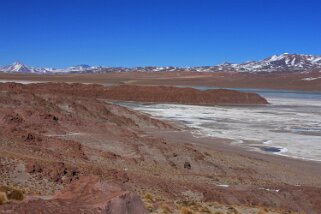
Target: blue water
{"type": "Point", "coordinates": [289, 94]}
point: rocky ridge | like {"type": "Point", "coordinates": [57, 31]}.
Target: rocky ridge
{"type": "Point", "coordinates": [283, 63]}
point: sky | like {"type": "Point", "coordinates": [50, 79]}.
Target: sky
{"type": "Point", "coordinates": [61, 33]}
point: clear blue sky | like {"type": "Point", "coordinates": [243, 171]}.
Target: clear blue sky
{"type": "Point", "coordinates": [59, 33]}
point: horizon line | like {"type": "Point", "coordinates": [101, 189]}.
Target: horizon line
{"type": "Point", "coordinates": [118, 66]}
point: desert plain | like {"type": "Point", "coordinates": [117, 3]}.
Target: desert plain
{"type": "Point", "coordinates": [68, 146]}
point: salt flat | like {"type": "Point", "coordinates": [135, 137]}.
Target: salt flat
{"type": "Point", "coordinates": [289, 126]}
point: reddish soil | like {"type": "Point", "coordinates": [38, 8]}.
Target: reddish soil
{"type": "Point", "coordinates": [87, 195]}
{"type": "Point", "coordinates": [55, 134]}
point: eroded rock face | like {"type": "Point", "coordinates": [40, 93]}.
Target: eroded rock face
{"type": "Point", "coordinates": [87, 195]}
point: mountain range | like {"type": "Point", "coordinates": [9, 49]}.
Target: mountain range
{"type": "Point", "coordinates": [276, 63]}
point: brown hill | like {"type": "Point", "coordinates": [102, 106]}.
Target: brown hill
{"type": "Point", "coordinates": [156, 94]}
{"type": "Point", "coordinates": [162, 94]}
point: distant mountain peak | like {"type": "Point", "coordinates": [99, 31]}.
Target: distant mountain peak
{"type": "Point", "coordinates": [17, 67]}
{"type": "Point", "coordinates": [17, 63]}
{"type": "Point", "coordinates": [285, 62]}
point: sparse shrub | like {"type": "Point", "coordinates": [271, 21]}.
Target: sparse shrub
{"type": "Point", "coordinates": [3, 198]}
{"type": "Point", "coordinates": [205, 210]}
{"type": "Point", "coordinates": [12, 193]}
{"type": "Point", "coordinates": [187, 165]}
{"type": "Point", "coordinates": [165, 209]}
{"type": "Point", "coordinates": [185, 210]}
{"type": "Point", "coordinates": [262, 211]}
{"type": "Point", "coordinates": [148, 197]}
{"type": "Point", "coordinates": [232, 210]}
{"type": "Point", "coordinates": [149, 208]}
{"type": "Point", "coordinates": [149, 200]}
{"type": "Point", "coordinates": [16, 194]}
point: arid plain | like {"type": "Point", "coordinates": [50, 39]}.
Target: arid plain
{"type": "Point", "coordinates": [57, 135]}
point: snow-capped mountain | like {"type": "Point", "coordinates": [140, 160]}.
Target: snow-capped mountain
{"type": "Point", "coordinates": [17, 67]}
{"type": "Point", "coordinates": [277, 63]}
{"type": "Point", "coordinates": [79, 68]}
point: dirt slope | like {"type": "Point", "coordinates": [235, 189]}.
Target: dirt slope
{"type": "Point", "coordinates": [55, 134]}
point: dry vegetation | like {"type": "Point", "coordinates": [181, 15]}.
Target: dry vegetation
{"type": "Point", "coordinates": [8, 194]}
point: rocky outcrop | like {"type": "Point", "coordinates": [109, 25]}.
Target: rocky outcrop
{"type": "Point", "coordinates": [87, 195]}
